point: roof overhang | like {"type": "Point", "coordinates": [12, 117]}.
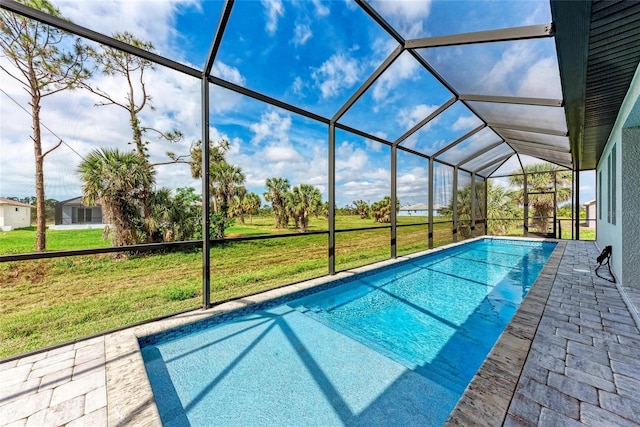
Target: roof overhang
{"type": "Point", "coordinates": [598, 46]}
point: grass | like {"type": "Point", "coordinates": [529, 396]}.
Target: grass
{"type": "Point", "coordinates": [22, 240]}
{"type": "Point", "coordinates": [49, 301]}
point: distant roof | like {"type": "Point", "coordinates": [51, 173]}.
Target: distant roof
{"type": "Point", "coordinates": [4, 201]}
{"type": "Point", "coordinates": [589, 202]}
{"type": "Point", "coordinates": [75, 201]}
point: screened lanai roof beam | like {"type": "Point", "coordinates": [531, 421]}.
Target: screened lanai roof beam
{"type": "Point", "coordinates": [544, 102]}
{"type": "Point", "coordinates": [498, 126]}
{"type": "Point", "coordinates": [459, 140]}
{"type": "Point", "coordinates": [537, 145]}
{"type": "Point", "coordinates": [81, 31]}
{"type": "Point", "coordinates": [505, 34]}
{"type": "Point", "coordinates": [264, 98]}
{"type": "Point", "coordinates": [424, 121]}
{"type": "Point", "coordinates": [414, 152]}
{"type": "Point", "coordinates": [548, 158]}
{"type": "Point", "coordinates": [380, 21]}
{"type": "Point", "coordinates": [393, 33]}
{"type": "Point", "coordinates": [362, 134]}
{"type": "Point", "coordinates": [367, 84]}
{"type": "Point", "coordinates": [217, 38]}
{"type": "Point", "coordinates": [481, 152]}
{"type": "Point", "coordinates": [494, 168]}
{"type": "Point", "coordinates": [493, 162]}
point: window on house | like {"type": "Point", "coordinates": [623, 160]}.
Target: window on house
{"type": "Point", "coordinates": [609, 188]}
{"type": "Point", "coordinates": [600, 200]}
{"type": "Point", "coordinates": [613, 185]}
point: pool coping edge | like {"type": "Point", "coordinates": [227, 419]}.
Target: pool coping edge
{"type": "Point", "coordinates": [487, 397]}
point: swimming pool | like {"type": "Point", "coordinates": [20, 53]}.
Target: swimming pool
{"type": "Point", "coordinates": [393, 346]}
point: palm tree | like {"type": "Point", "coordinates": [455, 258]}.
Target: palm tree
{"type": "Point", "coordinates": [540, 179]}
{"type": "Point", "coordinates": [118, 180]}
{"type": "Point", "coordinates": [325, 210]}
{"type": "Point", "coordinates": [251, 204]}
{"type": "Point", "coordinates": [382, 209]}
{"type": "Point", "coordinates": [173, 218]}
{"type": "Point", "coordinates": [216, 155]}
{"type": "Point", "coordinates": [226, 182]}
{"type": "Point", "coordinates": [289, 211]}
{"type": "Point", "coordinates": [316, 205]}
{"type": "Point", "coordinates": [159, 220]}
{"type": "Point", "coordinates": [305, 201]}
{"type": "Point", "coordinates": [276, 194]}
{"type": "Point", "coordinates": [502, 209]}
{"type": "Point", "coordinates": [236, 208]}
{"type": "Point", "coordinates": [362, 208]}
{"type": "Point", "coordinates": [464, 211]}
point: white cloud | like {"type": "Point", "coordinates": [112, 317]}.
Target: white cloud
{"type": "Point", "coordinates": [298, 86]}
{"type": "Point", "coordinates": [73, 116]}
{"type": "Point", "coordinates": [542, 80]}
{"type": "Point", "coordinates": [411, 142]}
{"type": "Point", "coordinates": [301, 34]}
{"type": "Point", "coordinates": [321, 9]}
{"type": "Point", "coordinates": [351, 5]}
{"type": "Point", "coordinates": [228, 72]}
{"type": "Point", "coordinates": [403, 68]}
{"type": "Point", "coordinates": [413, 185]}
{"type": "Point", "coordinates": [280, 154]}
{"type": "Point", "coordinates": [272, 127]}
{"type": "Point", "coordinates": [336, 73]}
{"type": "Point", "coordinates": [155, 24]}
{"type": "Point", "coordinates": [374, 146]}
{"type": "Point", "coordinates": [369, 191]}
{"type": "Point", "coordinates": [406, 15]}
{"type": "Point", "coordinates": [409, 117]}
{"type": "Point", "coordinates": [465, 123]}
{"type": "Point", "coordinates": [512, 64]}
{"type": "Point", "coordinates": [274, 9]}
{"type": "Point", "coordinates": [279, 149]}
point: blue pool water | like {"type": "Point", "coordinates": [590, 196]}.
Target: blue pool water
{"type": "Point", "coordinates": [390, 347]}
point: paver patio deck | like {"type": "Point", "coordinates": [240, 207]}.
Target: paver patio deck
{"type": "Point", "coordinates": [570, 357]}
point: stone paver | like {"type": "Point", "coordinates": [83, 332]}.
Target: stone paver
{"type": "Point", "coordinates": [601, 370]}
{"type": "Point", "coordinates": [49, 393]}
{"type": "Point", "coordinates": [570, 357]}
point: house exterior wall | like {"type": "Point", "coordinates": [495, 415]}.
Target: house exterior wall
{"type": "Point", "coordinates": [15, 216]}
{"type": "Point", "coordinates": [620, 227]}
{"type": "Point", "coordinates": [70, 217]}
{"type": "Point", "coordinates": [72, 212]}
{"type": "Point", "coordinates": [629, 213]}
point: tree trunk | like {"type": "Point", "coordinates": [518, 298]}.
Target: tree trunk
{"type": "Point", "coordinates": [41, 225]}
{"type": "Point", "coordinates": [146, 193]}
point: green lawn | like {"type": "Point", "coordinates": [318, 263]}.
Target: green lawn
{"type": "Point", "coordinates": [22, 240]}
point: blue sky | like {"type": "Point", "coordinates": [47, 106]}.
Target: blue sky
{"type": "Point", "coordinates": [310, 54]}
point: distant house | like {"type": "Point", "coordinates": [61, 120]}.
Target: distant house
{"type": "Point", "coordinates": [73, 213]}
{"type": "Point", "coordinates": [419, 209]}
{"type": "Point", "coordinates": [590, 209]}
{"type": "Point", "coordinates": [14, 214]}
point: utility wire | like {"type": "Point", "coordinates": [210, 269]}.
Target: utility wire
{"type": "Point", "coordinates": [42, 124]}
